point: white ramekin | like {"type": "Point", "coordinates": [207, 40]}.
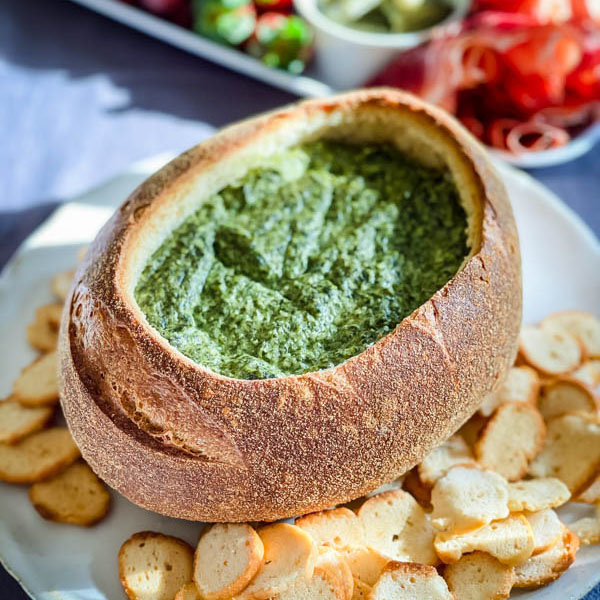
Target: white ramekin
{"type": "Point", "coordinates": [346, 58]}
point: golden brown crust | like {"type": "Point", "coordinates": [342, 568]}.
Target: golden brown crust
{"type": "Point", "coordinates": [178, 439]}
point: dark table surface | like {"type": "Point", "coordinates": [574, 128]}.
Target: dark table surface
{"type": "Point", "coordinates": [82, 97]}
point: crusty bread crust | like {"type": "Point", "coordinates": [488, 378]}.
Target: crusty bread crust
{"type": "Point", "coordinates": [176, 438]}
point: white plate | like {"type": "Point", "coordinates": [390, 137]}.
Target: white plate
{"type": "Point", "coordinates": [561, 267]}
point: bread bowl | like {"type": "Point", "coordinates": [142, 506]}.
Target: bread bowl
{"type": "Point", "coordinates": [180, 439]}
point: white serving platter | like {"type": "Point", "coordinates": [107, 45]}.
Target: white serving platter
{"type": "Point", "coordinates": [311, 84]}
{"type": "Point", "coordinates": [561, 269]}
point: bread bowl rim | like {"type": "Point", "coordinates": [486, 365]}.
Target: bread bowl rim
{"type": "Point", "coordinates": [133, 262]}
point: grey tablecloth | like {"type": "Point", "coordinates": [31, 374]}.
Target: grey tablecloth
{"type": "Point", "coordinates": [82, 97]}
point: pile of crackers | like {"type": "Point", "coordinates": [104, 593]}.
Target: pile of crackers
{"type": "Point", "coordinates": [473, 521]}
{"type": "Point", "coordinates": [34, 450]}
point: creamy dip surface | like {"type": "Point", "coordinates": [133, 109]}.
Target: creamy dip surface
{"type": "Point", "coordinates": [305, 261]}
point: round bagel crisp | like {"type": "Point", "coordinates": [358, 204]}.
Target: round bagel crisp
{"type": "Point", "coordinates": [547, 529]}
{"type": "Point", "coordinates": [467, 498]}
{"type": "Point", "coordinates": [406, 581]}
{"type": "Point", "coordinates": [339, 528]}
{"type": "Point", "coordinates": [153, 566]}
{"type": "Point", "coordinates": [74, 496]}
{"type": "Point", "coordinates": [187, 592]}
{"type": "Point", "coordinates": [37, 385]}
{"type": "Point", "coordinates": [550, 352]}
{"type": "Point", "coordinates": [290, 556]}
{"type": "Point", "coordinates": [38, 456]}
{"type": "Point", "coordinates": [548, 566]}
{"type": "Point", "coordinates": [397, 527]}
{"type": "Point", "coordinates": [42, 333]}
{"type": "Point", "coordinates": [583, 325]}
{"type": "Point", "coordinates": [226, 559]}
{"type": "Point", "coordinates": [333, 561]}
{"type": "Point", "coordinates": [18, 421]}
{"type": "Point", "coordinates": [479, 576]}
{"type": "Point", "coordinates": [567, 394]}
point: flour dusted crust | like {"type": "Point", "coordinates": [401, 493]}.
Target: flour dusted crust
{"type": "Point", "coordinates": [178, 439]}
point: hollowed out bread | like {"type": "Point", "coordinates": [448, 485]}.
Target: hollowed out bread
{"type": "Point", "coordinates": [408, 581]}
{"type": "Point", "coordinates": [226, 559]}
{"type": "Point", "coordinates": [179, 439]}
{"type": "Point", "coordinates": [479, 576]}
{"type": "Point", "coordinates": [38, 456]}
{"type": "Point", "coordinates": [74, 496]}
{"type": "Point", "coordinates": [153, 566]}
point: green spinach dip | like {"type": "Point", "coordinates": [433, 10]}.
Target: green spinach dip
{"type": "Point", "coordinates": [305, 261]}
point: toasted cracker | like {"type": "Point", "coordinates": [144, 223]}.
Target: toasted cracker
{"type": "Point", "coordinates": [42, 332]}
{"type": "Point", "coordinates": [465, 499]}
{"type": "Point", "coordinates": [187, 592]}
{"type": "Point", "coordinates": [591, 492]}
{"type": "Point", "coordinates": [479, 576]}
{"type": "Point", "coordinates": [37, 385]}
{"type": "Point", "coordinates": [550, 352]}
{"type": "Point", "coordinates": [548, 566]}
{"type": "Point", "coordinates": [472, 429]}
{"type": "Point", "coordinates": [38, 456]}
{"type": "Point", "coordinates": [407, 581]}
{"type": "Point", "coordinates": [511, 438]}
{"type": "Point", "coordinates": [582, 325]}
{"type": "Point", "coordinates": [537, 494]}
{"type": "Point", "coordinates": [588, 372]}
{"type": "Point", "coordinates": [414, 486]}
{"type": "Point", "coordinates": [565, 395]}
{"type": "Point", "coordinates": [509, 540]}
{"type": "Point", "coordinates": [290, 555]}
{"type": "Point", "coordinates": [17, 421]}
{"type": "Point", "coordinates": [322, 585]}
{"type": "Point", "coordinates": [587, 530]}
{"type": "Point", "coordinates": [571, 452]}
{"type": "Point", "coordinates": [61, 284]}
{"type": "Point", "coordinates": [522, 384]}
{"type": "Point", "coordinates": [339, 528]}
{"type": "Point", "coordinates": [74, 496]}
{"type": "Point", "coordinates": [153, 566]}
{"type": "Point", "coordinates": [329, 559]}
{"type": "Point", "coordinates": [227, 557]}
{"type": "Point", "coordinates": [547, 529]}
{"type": "Point", "coordinates": [361, 590]}
{"type": "Point", "coordinates": [366, 564]}
{"type": "Point", "coordinates": [440, 460]}
{"type": "Point", "coordinates": [397, 527]}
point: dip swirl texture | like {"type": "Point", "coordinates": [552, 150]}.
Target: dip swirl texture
{"type": "Point", "coordinates": [305, 261]}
